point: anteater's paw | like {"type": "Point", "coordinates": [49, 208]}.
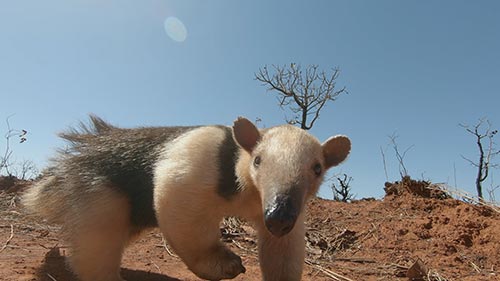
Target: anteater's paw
{"type": "Point", "coordinates": [229, 265]}
{"type": "Point", "coordinates": [221, 264]}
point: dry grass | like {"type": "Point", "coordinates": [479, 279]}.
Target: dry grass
{"type": "Point", "coordinates": [337, 246]}
{"type": "Point", "coordinates": [465, 196]}
{"type": "Point", "coordinates": [8, 239]}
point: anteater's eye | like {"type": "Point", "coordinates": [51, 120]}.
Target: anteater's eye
{"type": "Point", "coordinates": [317, 169]}
{"type": "Point", "coordinates": [256, 161]}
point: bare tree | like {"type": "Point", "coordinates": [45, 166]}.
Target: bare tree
{"type": "Point", "coordinates": [5, 160]}
{"type": "Point", "coordinates": [26, 170]}
{"type": "Point", "coordinates": [342, 190]}
{"type": "Point", "coordinates": [491, 193]}
{"type": "Point", "coordinates": [400, 156]}
{"type": "Point", "coordinates": [304, 92]}
{"type": "Point", "coordinates": [382, 151]}
{"type": "Point", "coordinates": [483, 134]}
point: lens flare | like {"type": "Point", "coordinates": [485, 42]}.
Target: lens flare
{"type": "Point", "coordinates": [175, 29]}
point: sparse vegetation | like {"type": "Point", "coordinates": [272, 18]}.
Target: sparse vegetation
{"type": "Point", "coordinates": [303, 92]}
{"type": "Point", "coordinates": [400, 156]}
{"type": "Point", "coordinates": [8, 166]}
{"type": "Point", "coordinates": [355, 241]}
{"type": "Point", "coordinates": [342, 189]}
{"type": "Point", "coordinates": [484, 137]}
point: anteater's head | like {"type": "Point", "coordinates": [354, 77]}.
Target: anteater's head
{"type": "Point", "coordinates": [286, 165]}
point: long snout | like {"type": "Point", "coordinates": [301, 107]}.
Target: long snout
{"type": "Point", "coordinates": [281, 213]}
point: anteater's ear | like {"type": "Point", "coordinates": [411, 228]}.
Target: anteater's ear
{"type": "Point", "coordinates": [335, 150]}
{"type": "Point", "coordinates": [245, 133]}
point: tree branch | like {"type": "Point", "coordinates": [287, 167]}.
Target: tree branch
{"type": "Point", "coordinates": [309, 90]}
{"type": "Point", "coordinates": [485, 155]}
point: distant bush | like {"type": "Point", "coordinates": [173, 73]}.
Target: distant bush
{"type": "Point", "coordinates": [25, 169]}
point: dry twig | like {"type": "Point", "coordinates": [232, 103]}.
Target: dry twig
{"type": "Point", "coordinates": [357, 260]}
{"type": "Point", "coordinates": [156, 266]}
{"type": "Point", "coordinates": [465, 196]}
{"type": "Point", "coordinates": [8, 239]}
{"type": "Point", "coordinates": [333, 275]}
{"type": "Point", "coordinates": [241, 247]}
{"type": "Point", "coordinates": [165, 246]}
{"type": "Point", "coordinates": [434, 276]}
{"type": "Point", "coordinates": [476, 268]}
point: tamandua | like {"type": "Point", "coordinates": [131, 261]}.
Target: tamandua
{"type": "Point", "coordinates": [111, 183]}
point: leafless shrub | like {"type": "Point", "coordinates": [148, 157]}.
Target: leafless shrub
{"type": "Point", "coordinates": [26, 170]}
{"type": "Point", "coordinates": [342, 189]}
{"type": "Point", "coordinates": [483, 135]}
{"type": "Point", "coordinates": [400, 156]}
{"type": "Point", "coordinates": [8, 166]}
{"type": "Point", "coordinates": [491, 193]}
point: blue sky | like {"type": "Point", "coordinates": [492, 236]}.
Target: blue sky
{"type": "Point", "coordinates": [415, 68]}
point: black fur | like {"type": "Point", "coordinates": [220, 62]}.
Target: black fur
{"type": "Point", "coordinates": [228, 153]}
{"type": "Point", "coordinates": [121, 158]}
{"type": "Point", "coordinates": [124, 159]}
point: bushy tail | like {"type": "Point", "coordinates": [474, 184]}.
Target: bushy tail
{"type": "Point", "coordinates": [53, 196]}
{"type": "Point", "coordinates": [43, 199]}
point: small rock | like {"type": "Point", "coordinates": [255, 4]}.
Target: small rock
{"type": "Point", "coordinates": [418, 271]}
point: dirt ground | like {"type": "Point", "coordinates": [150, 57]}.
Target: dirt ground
{"type": "Point", "coordinates": [414, 233]}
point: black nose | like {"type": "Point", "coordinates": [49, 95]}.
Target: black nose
{"type": "Point", "coordinates": [280, 216]}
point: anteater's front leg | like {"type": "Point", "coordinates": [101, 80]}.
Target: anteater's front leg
{"type": "Point", "coordinates": [190, 224]}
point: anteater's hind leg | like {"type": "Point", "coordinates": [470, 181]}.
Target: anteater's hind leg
{"type": "Point", "coordinates": [98, 233]}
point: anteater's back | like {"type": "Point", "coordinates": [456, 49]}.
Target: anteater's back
{"type": "Point", "coordinates": [101, 156]}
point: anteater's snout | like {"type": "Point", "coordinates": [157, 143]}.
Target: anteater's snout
{"type": "Point", "coordinates": [281, 215]}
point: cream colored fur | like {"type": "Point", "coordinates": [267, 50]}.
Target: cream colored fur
{"type": "Point", "coordinates": [188, 207]}
{"type": "Point", "coordinates": [189, 211]}
{"type": "Point", "coordinates": [99, 238]}
{"type": "Point", "coordinates": [283, 258]}
{"type": "Point", "coordinates": [96, 226]}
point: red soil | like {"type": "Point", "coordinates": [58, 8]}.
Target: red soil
{"type": "Point", "coordinates": [443, 238]}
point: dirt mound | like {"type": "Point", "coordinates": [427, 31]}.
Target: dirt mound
{"type": "Point", "coordinates": [12, 184]}
{"type": "Point", "coordinates": [419, 188]}
{"type": "Point", "coordinates": [445, 238]}
{"type": "Point", "coordinates": [411, 234]}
